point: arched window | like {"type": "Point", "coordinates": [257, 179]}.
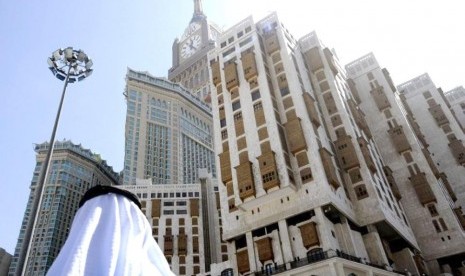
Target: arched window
{"type": "Point", "coordinates": [315, 254]}
{"type": "Point", "coordinates": [269, 269]}
{"type": "Point", "coordinates": [227, 272]}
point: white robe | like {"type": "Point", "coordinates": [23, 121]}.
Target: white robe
{"type": "Point", "coordinates": [110, 236]}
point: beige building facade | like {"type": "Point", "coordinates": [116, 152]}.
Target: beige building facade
{"type": "Point", "coordinates": [300, 176]}
{"type": "Point", "coordinates": [186, 222]}
{"type": "Point", "coordinates": [420, 185]}
{"type": "Point", "coordinates": [168, 132]}
{"type": "Point", "coordinates": [456, 99]}
{"type": "Point", "coordinates": [426, 107]}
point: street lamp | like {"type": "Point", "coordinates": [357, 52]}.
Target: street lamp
{"type": "Point", "coordinates": [68, 65]}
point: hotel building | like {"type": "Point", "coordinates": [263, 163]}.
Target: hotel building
{"type": "Point", "coordinates": [302, 182]}
{"type": "Point", "coordinates": [420, 185]}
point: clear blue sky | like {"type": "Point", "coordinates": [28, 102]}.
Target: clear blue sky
{"type": "Point", "coordinates": [408, 37]}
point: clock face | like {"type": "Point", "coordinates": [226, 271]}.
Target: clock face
{"type": "Point", "coordinates": [193, 27]}
{"type": "Point", "coordinates": [191, 46]}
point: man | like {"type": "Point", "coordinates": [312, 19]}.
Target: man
{"type": "Point", "coordinates": [110, 236]}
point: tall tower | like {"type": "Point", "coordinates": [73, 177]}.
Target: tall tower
{"type": "Point", "coordinates": [420, 185]}
{"type": "Point", "coordinates": [168, 132]}
{"type": "Point", "coordinates": [190, 67]}
{"type": "Point", "coordinates": [72, 172]}
{"type": "Point", "coordinates": [170, 165]}
{"type": "Point", "coordinates": [169, 158]}
{"type": "Point", "coordinates": [426, 107]}
{"type": "Point", "coordinates": [301, 179]}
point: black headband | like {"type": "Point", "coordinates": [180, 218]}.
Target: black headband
{"type": "Point", "coordinates": [102, 190]}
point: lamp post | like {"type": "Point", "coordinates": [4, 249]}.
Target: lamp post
{"type": "Point", "coordinates": [68, 65]}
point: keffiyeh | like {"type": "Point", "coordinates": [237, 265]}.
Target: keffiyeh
{"type": "Point", "coordinates": [110, 236]}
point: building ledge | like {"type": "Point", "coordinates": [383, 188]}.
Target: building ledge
{"type": "Point", "coordinates": [318, 260]}
{"type": "Point", "coordinates": [267, 197]}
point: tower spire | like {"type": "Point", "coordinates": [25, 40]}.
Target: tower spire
{"type": "Point", "coordinates": [198, 7]}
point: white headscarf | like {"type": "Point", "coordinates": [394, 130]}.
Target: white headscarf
{"type": "Point", "coordinates": [110, 236]}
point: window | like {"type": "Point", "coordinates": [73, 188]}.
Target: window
{"type": "Point", "coordinates": [284, 91]}
{"type": "Point", "coordinates": [237, 117]}
{"type": "Point", "coordinates": [315, 255]}
{"type": "Point", "coordinates": [236, 105]}
{"type": "Point", "coordinates": [269, 269]}
{"type": "Point", "coordinates": [370, 76]}
{"type": "Point", "coordinates": [432, 210]}
{"type": "Point", "coordinates": [224, 134]}
{"type": "Point", "coordinates": [436, 226]}
{"type": "Point", "coordinates": [223, 122]}
{"type": "Point", "coordinates": [227, 272]}
{"type": "Point", "coordinates": [427, 94]}
{"type": "Point", "coordinates": [361, 192]}
{"type": "Point", "coordinates": [443, 224]}
{"type": "Point", "coordinates": [408, 157]}
{"type": "Point", "coordinates": [255, 95]}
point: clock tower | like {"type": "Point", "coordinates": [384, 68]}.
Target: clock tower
{"type": "Point", "coordinates": [190, 65]}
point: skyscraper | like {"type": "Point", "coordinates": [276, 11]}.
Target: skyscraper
{"type": "Point", "coordinates": [169, 164]}
{"type": "Point", "coordinates": [425, 106]}
{"type": "Point", "coordinates": [73, 170]}
{"type": "Point", "coordinates": [302, 179]}
{"type": "Point", "coordinates": [5, 260]}
{"type": "Point", "coordinates": [168, 132]}
{"type": "Point", "coordinates": [419, 184]}
{"type": "Point", "coordinates": [169, 158]}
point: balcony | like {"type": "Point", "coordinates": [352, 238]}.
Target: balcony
{"type": "Point", "coordinates": [329, 168]}
{"type": "Point", "coordinates": [380, 98]}
{"type": "Point", "coordinates": [295, 136]}
{"type": "Point", "coordinates": [458, 150]}
{"type": "Point", "coordinates": [216, 76]}
{"type": "Point", "coordinates": [318, 257]}
{"type": "Point", "coordinates": [271, 43]}
{"type": "Point", "coordinates": [438, 115]}
{"type": "Point", "coordinates": [345, 151]}
{"type": "Point", "coordinates": [330, 60]}
{"type": "Point", "coordinates": [422, 188]}
{"type": "Point", "coordinates": [245, 180]}
{"type": "Point", "coordinates": [311, 109]}
{"type": "Point", "coordinates": [231, 78]}
{"type": "Point", "coordinates": [225, 167]}
{"type": "Point", "coordinates": [249, 64]}
{"type": "Point", "coordinates": [313, 59]}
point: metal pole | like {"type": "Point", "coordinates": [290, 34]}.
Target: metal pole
{"type": "Point", "coordinates": [37, 200]}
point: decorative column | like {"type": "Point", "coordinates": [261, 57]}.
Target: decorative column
{"type": "Point", "coordinates": [251, 251]}
{"type": "Point", "coordinates": [285, 242]}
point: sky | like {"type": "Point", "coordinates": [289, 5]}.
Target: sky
{"type": "Point", "coordinates": [408, 38]}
